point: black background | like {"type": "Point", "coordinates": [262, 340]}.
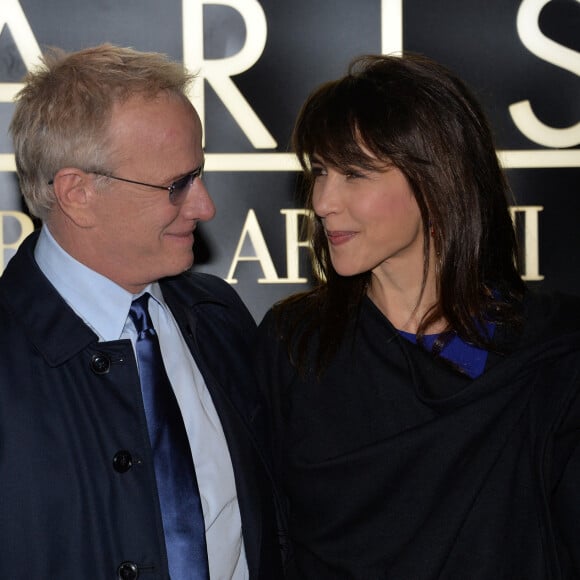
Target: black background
{"type": "Point", "coordinates": [309, 42]}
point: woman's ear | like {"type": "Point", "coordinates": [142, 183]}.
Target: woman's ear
{"type": "Point", "coordinates": [73, 190]}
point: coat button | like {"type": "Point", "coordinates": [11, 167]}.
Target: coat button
{"type": "Point", "coordinates": [123, 461]}
{"type": "Point", "coordinates": [100, 364]}
{"type": "Point", "coordinates": [128, 571]}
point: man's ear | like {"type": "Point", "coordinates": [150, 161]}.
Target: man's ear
{"type": "Point", "coordinates": [73, 190]}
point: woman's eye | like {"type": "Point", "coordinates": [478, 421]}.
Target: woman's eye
{"type": "Point", "coordinates": [318, 170]}
{"type": "Point", "coordinates": [353, 174]}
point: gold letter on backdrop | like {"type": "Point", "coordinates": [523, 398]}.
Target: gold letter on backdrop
{"type": "Point", "coordinates": [391, 26]}
{"type": "Point", "coordinates": [217, 72]}
{"type": "Point", "coordinates": [531, 239]}
{"type": "Point", "coordinates": [12, 16]}
{"type": "Point", "coordinates": [253, 233]}
{"type": "Point", "coordinates": [293, 244]}
{"type": "Point", "coordinates": [26, 228]}
{"type": "Point", "coordinates": [252, 230]}
{"type": "Point", "coordinates": [552, 52]}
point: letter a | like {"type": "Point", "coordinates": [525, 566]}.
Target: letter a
{"type": "Point", "coordinates": [12, 15]}
{"type": "Point", "coordinates": [253, 231]}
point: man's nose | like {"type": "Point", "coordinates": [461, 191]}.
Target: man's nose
{"type": "Point", "coordinates": [198, 202]}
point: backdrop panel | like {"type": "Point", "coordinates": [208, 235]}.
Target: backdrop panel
{"type": "Point", "coordinates": [256, 63]}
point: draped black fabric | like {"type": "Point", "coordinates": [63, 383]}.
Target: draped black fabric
{"type": "Point", "coordinates": [397, 467]}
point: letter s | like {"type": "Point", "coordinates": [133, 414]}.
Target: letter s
{"type": "Point", "coordinates": [552, 52]}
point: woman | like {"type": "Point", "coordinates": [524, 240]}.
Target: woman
{"type": "Point", "coordinates": [424, 402]}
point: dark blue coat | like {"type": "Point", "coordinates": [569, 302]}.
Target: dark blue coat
{"type": "Point", "coordinates": [77, 486]}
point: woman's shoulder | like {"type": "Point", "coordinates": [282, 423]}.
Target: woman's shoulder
{"type": "Point", "coordinates": [293, 309]}
{"type": "Point", "coordinates": [289, 322]}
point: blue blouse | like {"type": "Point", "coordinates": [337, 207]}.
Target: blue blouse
{"type": "Point", "coordinates": [469, 358]}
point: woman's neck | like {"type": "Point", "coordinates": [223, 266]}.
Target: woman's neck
{"type": "Point", "coordinates": [400, 296]}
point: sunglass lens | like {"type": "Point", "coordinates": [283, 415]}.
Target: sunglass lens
{"type": "Point", "coordinates": [180, 188]}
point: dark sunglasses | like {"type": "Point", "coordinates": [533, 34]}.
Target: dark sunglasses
{"type": "Point", "coordinates": [177, 190]}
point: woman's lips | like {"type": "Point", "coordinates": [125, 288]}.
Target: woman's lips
{"type": "Point", "coordinates": [337, 237]}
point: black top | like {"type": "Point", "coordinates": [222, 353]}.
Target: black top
{"type": "Point", "coordinates": [396, 466]}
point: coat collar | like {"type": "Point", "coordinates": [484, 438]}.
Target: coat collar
{"type": "Point", "coordinates": [49, 322]}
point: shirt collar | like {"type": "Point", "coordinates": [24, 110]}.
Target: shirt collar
{"type": "Point", "coordinates": [102, 304]}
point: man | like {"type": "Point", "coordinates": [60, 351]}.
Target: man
{"type": "Point", "coordinates": [109, 156]}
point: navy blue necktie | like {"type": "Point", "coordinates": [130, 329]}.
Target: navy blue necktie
{"type": "Point", "coordinates": [174, 470]}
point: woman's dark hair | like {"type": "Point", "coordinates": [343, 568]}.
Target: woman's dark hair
{"type": "Point", "coordinates": [413, 113]}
